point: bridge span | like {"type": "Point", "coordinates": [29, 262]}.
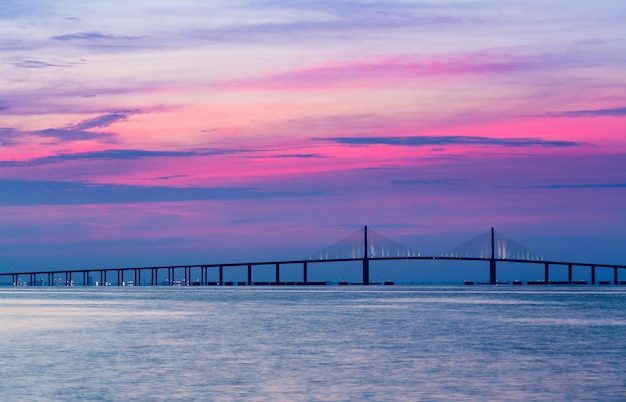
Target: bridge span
{"type": "Point", "coordinates": [363, 246]}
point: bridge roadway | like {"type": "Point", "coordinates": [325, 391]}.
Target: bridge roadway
{"type": "Point", "coordinates": [37, 277]}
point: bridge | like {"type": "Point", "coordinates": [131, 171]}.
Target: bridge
{"type": "Point", "coordinates": [365, 245]}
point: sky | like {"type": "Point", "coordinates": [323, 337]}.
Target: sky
{"type": "Point", "coordinates": [187, 132]}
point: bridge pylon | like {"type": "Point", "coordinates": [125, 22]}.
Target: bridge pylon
{"type": "Point", "coordinates": [492, 260]}
{"type": "Point", "coordinates": [366, 261]}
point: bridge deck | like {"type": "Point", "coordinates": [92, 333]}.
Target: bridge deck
{"type": "Point", "coordinates": [491, 246]}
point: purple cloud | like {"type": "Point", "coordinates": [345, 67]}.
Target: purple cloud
{"type": "Point", "coordinates": [422, 182]}
{"type": "Point", "coordinates": [171, 177]}
{"type": "Point", "coordinates": [26, 192]}
{"type": "Point", "coordinates": [71, 133]}
{"type": "Point", "coordinates": [614, 112]}
{"type": "Point", "coordinates": [92, 36]}
{"type": "Point", "coordinates": [9, 136]}
{"type": "Point", "coordinates": [117, 154]}
{"type": "Point", "coordinates": [23, 62]}
{"type": "Point", "coordinates": [302, 156]}
{"type": "Point", "coordinates": [577, 186]}
{"type": "Point", "coordinates": [106, 119]}
{"type": "Point", "coordinates": [419, 141]}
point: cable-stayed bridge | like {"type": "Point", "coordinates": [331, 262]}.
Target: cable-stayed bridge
{"type": "Point", "coordinates": [364, 245]}
{"type": "Point", "coordinates": [364, 242]}
{"type": "Point", "coordinates": [492, 244]}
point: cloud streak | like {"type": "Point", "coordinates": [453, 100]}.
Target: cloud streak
{"type": "Point", "coordinates": [294, 156]}
{"type": "Point", "coordinates": [612, 112]}
{"type": "Point", "coordinates": [117, 154]}
{"type": "Point", "coordinates": [106, 119]}
{"type": "Point", "coordinates": [577, 186]}
{"type": "Point", "coordinates": [25, 62]}
{"type": "Point", "coordinates": [72, 132]}
{"type": "Point", "coordinates": [384, 70]}
{"type": "Point", "coordinates": [420, 141]}
{"type": "Point", "coordinates": [429, 182]}
{"type": "Point", "coordinates": [137, 154]}
{"type": "Point", "coordinates": [91, 36]}
{"type": "Point", "coordinates": [26, 192]}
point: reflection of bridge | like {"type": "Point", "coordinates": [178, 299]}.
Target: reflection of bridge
{"type": "Point", "coordinates": [364, 245]}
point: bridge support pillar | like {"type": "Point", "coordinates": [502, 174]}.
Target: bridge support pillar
{"type": "Point", "coordinates": [593, 274]}
{"type": "Point", "coordinates": [615, 276]}
{"type": "Point", "coordinates": [366, 271]}
{"type": "Point", "coordinates": [546, 273]}
{"type": "Point", "coordinates": [305, 274]}
{"type": "Point", "coordinates": [249, 274]}
{"type": "Point", "coordinates": [277, 273]}
{"type": "Point", "coordinates": [492, 262]}
{"type": "Point", "coordinates": [221, 275]}
{"type": "Point", "coordinates": [569, 274]}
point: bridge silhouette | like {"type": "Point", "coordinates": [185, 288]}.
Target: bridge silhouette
{"type": "Point", "coordinates": [364, 245]}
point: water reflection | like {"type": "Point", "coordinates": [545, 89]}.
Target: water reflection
{"type": "Point", "coordinates": [327, 344]}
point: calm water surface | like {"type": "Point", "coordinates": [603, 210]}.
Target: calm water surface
{"type": "Point", "coordinates": [321, 344]}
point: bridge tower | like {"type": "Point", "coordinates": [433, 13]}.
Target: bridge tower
{"type": "Point", "coordinates": [366, 261]}
{"type": "Point", "coordinates": [492, 261]}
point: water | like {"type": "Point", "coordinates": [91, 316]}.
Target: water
{"type": "Point", "coordinates": [321, 344]}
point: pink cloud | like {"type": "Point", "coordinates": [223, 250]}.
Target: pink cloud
{"type": "Point", "coordinates": [382, 71]}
